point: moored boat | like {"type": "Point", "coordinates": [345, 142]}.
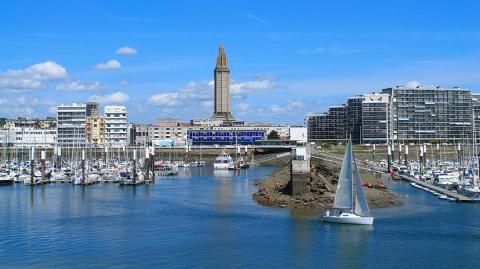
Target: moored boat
{"type": "Point", "coordinates": [223, 161]}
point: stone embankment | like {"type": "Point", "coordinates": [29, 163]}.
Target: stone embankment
{"type": "Point", "coordinates": [273, 191]}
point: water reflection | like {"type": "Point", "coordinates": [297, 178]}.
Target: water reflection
{"type": "Point", "coordinates": [223, 189]}
{"type": "Point", "coordinates": [32, 197]}
{"type": "Point", "coordinates": [350, 244]}
{"type": "Point", "coordinates": [184, 173]}
{"type": "Point", "coordinates": [147, 190]}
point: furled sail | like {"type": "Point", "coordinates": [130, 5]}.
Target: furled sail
{"type": "Point", "coordinates": [343, 195]}
{"type": "Point", "coordinates": [361, 205]}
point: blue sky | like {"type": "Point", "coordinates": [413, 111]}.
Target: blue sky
{"type": "Point", "coordinates": [287, 58]}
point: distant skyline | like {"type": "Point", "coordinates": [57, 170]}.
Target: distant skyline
{"type": "Point", "coordinates": [286, 59]}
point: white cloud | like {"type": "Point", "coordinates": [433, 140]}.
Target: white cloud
{"type": "Point", "coordinates": [294, 105]}
{"type": "Point", "coordinates": [32, 77]}
{"type": "Point", "coordinates": [208, 104]}
{"type": "Point", "coordinates": [19, 83]}
{"type": "Point", "coordinates": [47, 71]}
{"type": "Point", "coordinates": [167, 99]}
{"type": "Point", "coordinates": [243, 106]}
{"type": "Point", "coordinates": [238, 88]}
{"type": "Point", "coordinates": [23, 100]}
{"type": "Point", "coordinates": [112, 64]}
{"type": "Point", "coordinates": [123, 82]}
{"type": "Point", "coordinates": [3, 101]}
{"type": "Point", "coordinates": [291, 106]}
{"type": "Point", "coordinates": [202, 92]}
{"type": "Point", "coordinates": [193, 92]}
{"type": "Point", "coordinates": [127, 51]}
{"type": "Point", "coordinates": [276, 109]}
{"type": "Point", "coordinates": [412, 84]}
{"type": "Point", "coordinates": [114, 98]}
{"type": "Point", "coordinates": [78, 86]}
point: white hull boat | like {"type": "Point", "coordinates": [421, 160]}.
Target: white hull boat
{"type": "Point", "coordinates": [349, 218]}
{"type": "Point", "coordinates": [223, 161]}
{"type": "Point", "coordinates": [350, 205]}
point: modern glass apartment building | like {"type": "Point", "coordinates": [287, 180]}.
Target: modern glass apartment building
{"type": "Point", "coordinates": [403, 114]}
{"type": "Point", "coordinates": [375, 121]}
{"type": "Point", "coordinates": [330, 126]}
{"type": "Point", "coordinates": [430, 114]}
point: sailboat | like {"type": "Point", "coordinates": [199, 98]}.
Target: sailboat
{"type": "Point", "coordinates": [350, 205]}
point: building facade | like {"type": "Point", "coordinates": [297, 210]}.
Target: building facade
{"type": "Point", "coordinates": [225, 137]}
{"type": "Point", "coordinates": [354, 118]}
{"type": "Point", "coordinates": [93, 109]}
{"type": "Point", "coordinates": [430, 114]}
{"type": "Point", "coordinates": [141, 134]}
{"type": "Point", "coordinates": [95, 130]}
{"type": "Point", "coordinates": [116, 125]}
{"type": "Point", "coordinates": [20, 137]}
{"type": "Point", "coordinates": [71, 125]}
{"type": "Point", "coordinates": [403, 115]}
{"type": "Point", "coordinates": [48, 123]}
{"type": "Point", "coordinates": [374, 125]}
{"type": "Point", "coordinates": [330, 127]}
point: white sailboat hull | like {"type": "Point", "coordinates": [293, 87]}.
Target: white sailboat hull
{"type": "Point", "coordinates": [349, 218]}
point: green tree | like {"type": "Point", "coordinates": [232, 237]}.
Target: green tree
{"type": "Point", "coordinates": [273, 135]}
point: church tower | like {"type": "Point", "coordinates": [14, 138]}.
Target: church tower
{"type": "Point", "coordinates": [222, 88]}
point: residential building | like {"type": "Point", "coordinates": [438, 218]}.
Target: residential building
{"type": "Point", "coordinates": [354, 118]}
{"type": "Point", "coordinates": [95, 130]}
{"type": "Point", "coordinates": [141, 134]}
{"type": "Point", "coordinates": [93, 109]}
{"type": "Point", "coordinates": [20, 122]}
{"type": "Point", "coordinates": [329, 127]}
{"type": "Point", "coordinates": [375, 117]}
{"type": "Point", "coordinates": [426, 114]}
{"type": "Point", "coordinates": [29, 137]}
{"type": "Point", "coordinates": [401, 114]}
{"type": "Point", "coordinates": [115, 125]}
{"type": "Point", "coordinates": [71, 125]}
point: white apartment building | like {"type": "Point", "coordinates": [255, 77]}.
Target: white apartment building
{"type": "Point", "coordinates": [71, 125]}
{"type": "Point", "coordinates": [116, 125]}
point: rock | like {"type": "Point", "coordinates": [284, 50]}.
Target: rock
{"type": "Point", "coordinates": [272, 191]}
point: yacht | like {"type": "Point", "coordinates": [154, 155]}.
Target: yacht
{"type": "Point", "coordinates": [223, 161]}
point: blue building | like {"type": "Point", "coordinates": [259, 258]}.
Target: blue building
{"type": "Point", "coordinates": [224, 137]}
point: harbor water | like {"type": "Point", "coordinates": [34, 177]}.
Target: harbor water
{"type": "Point", "coordinates": [207, 219]}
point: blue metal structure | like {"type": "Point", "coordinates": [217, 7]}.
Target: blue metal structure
{"type": "Point", "coordinates": [222, 137]}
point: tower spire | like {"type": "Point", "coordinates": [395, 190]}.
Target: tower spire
{"type": "Point", "coordinates": [222, 88]}
{"type": "Point", "coordinates": [222, 57]}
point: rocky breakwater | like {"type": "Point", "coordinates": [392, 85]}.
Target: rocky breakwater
{"type": "Point", "coordinates": [275, 191]}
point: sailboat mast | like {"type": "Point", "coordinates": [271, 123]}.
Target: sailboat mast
{"type": "Point", "coordinates": [353, 181]}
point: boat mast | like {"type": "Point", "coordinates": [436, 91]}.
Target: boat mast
{"type": "Point", "coordinates": [353, 181]}
{"type": "Point", "coordinates": [474, 141]}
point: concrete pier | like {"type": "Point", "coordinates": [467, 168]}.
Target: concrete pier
{"type": "Point", "coordinates": [299, 172]}
{"type": "Point", "coordinates": [300, 177]}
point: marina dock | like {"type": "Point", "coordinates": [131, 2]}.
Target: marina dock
{"type": "Point", "coordinates": [456, 196]}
